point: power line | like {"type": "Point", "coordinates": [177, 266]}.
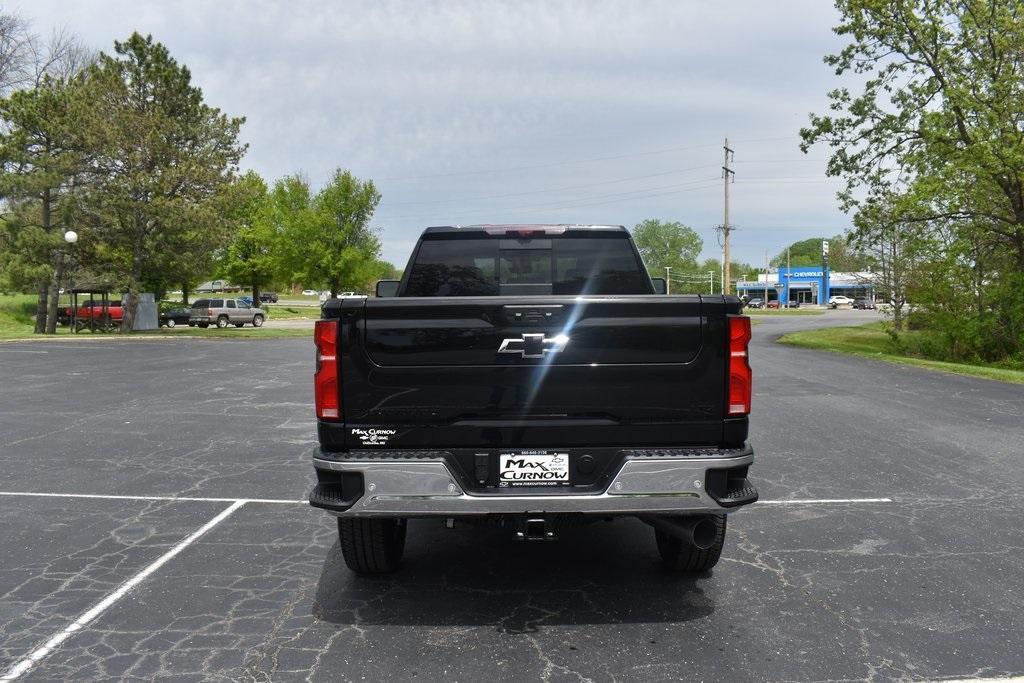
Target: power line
{"type": "Point", "coordinates": [553, 189]}
{"type": "Point", "coordinates": [781, 161]}
{"type": "Point", "coordinates": [501, 169]}
{"type": "Point", "coordinates": [583, 201]}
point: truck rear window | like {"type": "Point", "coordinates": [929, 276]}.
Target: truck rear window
{"type": "Point", "coordinates": [605, 264]}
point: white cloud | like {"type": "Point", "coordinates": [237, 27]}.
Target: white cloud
{"type": "Point", "coordinates": [400, 89]}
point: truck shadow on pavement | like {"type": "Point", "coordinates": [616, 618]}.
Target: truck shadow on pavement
{"type": "Point", "coordinates": [596, 574]}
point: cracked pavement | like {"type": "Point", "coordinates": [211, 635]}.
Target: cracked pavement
{"type": "Point", "coordinates": [926, 587]}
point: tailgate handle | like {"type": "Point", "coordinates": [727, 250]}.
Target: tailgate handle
{"type": "Point", "coordinates": [532, 315]}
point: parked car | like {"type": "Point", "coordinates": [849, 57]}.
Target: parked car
{"type": "Point", "coordinates": [90, 313]}
{"type": "Point", "coordinates": [458, 424]}
{"type": "Point", "coordinates": [792, 304]}
{"type": "Point", "coordinates": [247, 300]}
{"type": "Point", "coordinates": [864, 304]}
{"type": "Point", "coordinates": [839, 300]}
{"type": "Point", "coordinates": [773, 304]}
{"type": "Point", "coordinates": [268, 297]}
{"type": "Point", "coordinates": [756, 302]}
{"type": "Point", "coordinates": [224, 312]}
{"type": "Point", "coordinates": [172, 317]}
{"type": "Point", "coordinates": [310, 292]}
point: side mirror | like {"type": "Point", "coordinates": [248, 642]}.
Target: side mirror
{"type": "Point", "coordinates": [659, 285]}
{"type": "Point", "coordinates": [387, 288]}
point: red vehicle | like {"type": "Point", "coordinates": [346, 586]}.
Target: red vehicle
{"type": "Point", "coordinates": [93, 311]}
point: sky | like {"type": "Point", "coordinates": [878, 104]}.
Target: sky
{"type": "Point", "coordinates": [593, 111]}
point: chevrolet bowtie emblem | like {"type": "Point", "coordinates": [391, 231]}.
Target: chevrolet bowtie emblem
{"type": "Point", "coordinates": [533, 345]}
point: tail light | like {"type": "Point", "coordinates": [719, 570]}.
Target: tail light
{"type": "Point", "coordinates": [740, 375]}
{"type": "Point", "coordinates": [325, 379]}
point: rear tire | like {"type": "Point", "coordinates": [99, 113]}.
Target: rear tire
{"type": "Point", "coordinates": [680, 556]}
{"type": "Point", "coordinates": [222, 322]}
{"type": "Point", "coordinates": [204, 325]}
{"type": "Point", "coordinates": [239, 324]}
{"type": "Point", "coordinates": [373, 545]}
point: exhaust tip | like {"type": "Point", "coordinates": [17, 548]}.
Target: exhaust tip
{"type": "Point", "coordinates": [704, 533]}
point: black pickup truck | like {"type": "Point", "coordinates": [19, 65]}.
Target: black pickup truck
{"type": "Point", "coordinates": [531, 376]}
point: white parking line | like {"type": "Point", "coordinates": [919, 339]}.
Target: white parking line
{"type": "Point", "coordinates": [81, 622]}
{"type": "Point", "coordinates": [285, 501]}
{"type": "Point", "coordinates": [823, 501]}
{"type": "Point", "coordinates": [193, 499]}
{"type": "Point", "coordinates": [1000, 679]}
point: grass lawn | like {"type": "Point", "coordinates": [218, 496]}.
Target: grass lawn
{"type": "Point", "coordinates": [871, 341]}
{"type": "Point", "coordinates": [16, 312]}
{"type": "Point", "coordinates": [282, 312]}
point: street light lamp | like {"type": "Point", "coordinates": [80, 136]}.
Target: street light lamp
{"type": "Point", "coordinates": [71, 237]}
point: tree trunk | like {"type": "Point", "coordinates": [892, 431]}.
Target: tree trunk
{"type": "Point", "coordinates": [1018, 239]}
{"type": "Point", "coordinates": [52, 311]}
{"type": "Point", "coordinates": [41, 307]}
{"type": "Point", "coordinates": [131, 300]}
{"type": "Point", "coordinates": [42, 304]}
{"type": "Point", "coordinates": [184, 294]}
{"type": "Point", "coordinates": [255, 294]}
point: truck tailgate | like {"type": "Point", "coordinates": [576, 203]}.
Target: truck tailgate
{"type": "Point", "coordinates": [538, 371]}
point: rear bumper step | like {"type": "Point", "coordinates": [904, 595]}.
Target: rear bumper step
{"type": "Point", "coordinates": [420, 484]}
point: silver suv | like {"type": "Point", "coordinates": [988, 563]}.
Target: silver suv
{"type": "Point", "coordinates": [224, 312]}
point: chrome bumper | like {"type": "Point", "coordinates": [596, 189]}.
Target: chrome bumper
{"type": "Point", "coordinates": [426, 487]}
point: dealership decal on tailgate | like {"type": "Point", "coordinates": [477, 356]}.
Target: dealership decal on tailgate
{"type": "Point", "coordinates": [533, 468]}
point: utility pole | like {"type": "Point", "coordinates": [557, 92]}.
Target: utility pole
{"type": "Point", "coordinates": [668, 279]}
{"type": "Point", "coordinates": [728, 175]}
{"type": "Point", "coordinates": [789, 277]}
{"type": "Point", "coordinates": [766, 279]}
{"type": "Point", "coordinates": [711, 280]}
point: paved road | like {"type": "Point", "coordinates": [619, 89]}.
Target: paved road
{"type": "Point", "coordinates": [292, 324]}
{"type": "Point", "coordinates": [928, 586]}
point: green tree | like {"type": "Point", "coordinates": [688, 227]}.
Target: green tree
{"type": "Point", "coordinates": [291, 211]}
{"type": "Point", "coordinates": [165, 157]}
{"type": "Point", "coordinates": [251, 257]}
{"type": "Point", "coordinates": [43, 163]}
{"type": "Point", "coordinates": [843, 255]}
{"type": "Point", "coordinates": [935, 135]}
{"type": "Point", "coordinates": [708, 276]}
{"type": "Point", "coordinates": [801, 253]}
{"type": "Point", "coordinates": [667, 244]}
{"type": "Point", "coordinates": [332, 246]}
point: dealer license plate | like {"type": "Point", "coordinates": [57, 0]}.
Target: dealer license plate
{"type": "Point", "coordinates": [533, 468]}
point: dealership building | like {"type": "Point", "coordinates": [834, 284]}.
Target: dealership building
{"type": "Point", "coordinates": [808, 285]}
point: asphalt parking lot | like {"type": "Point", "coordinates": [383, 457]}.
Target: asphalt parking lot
{"type": "Point", "coordinates": [888, 543]}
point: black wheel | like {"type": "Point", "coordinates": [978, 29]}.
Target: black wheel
{"type": "Point", "coordinates": [191, 324]}
{"type": "Point", "coordinates": [222, 321]}
{"type": "Point", "coordinates": [239, 324]}
{"type": "Point", "coordinates": [204, 325]}
{"type": "Point", "coordinates": [372, 546]}
{"type": "Point", "coordinates": [680, 556]}
{"type": "Point", "coordinates": [170, 322]}
{"type": "Point", "coordinates": [257, 321]}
